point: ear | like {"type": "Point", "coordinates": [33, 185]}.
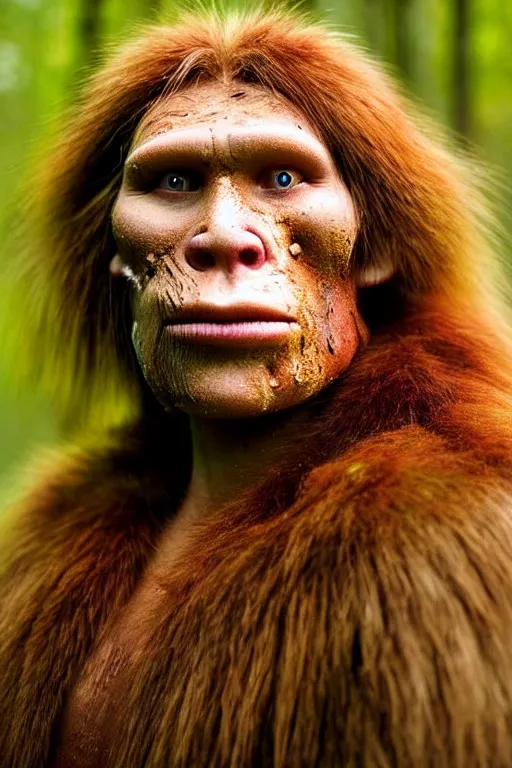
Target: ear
{"type": "Point", "coordinates": [375, 274]}
{"type": "Point", "coordinates": [119, 269]}
{"type": "Point", "coordinates": [117, 266]}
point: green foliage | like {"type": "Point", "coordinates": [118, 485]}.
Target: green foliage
{"type": "Point", "coordinates": [48, 46]}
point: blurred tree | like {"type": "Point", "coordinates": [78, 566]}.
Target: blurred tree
{"type": "Point", "coordinates": [154, 8]}
{"type": "Point", "coordinates": [89, 32]}
{"type": "Point", "coordinates": [461, 68]}
{"type": "Point", "coordinates": [374, 23]}
{"type": "Point", "coordinates": [400, 12]}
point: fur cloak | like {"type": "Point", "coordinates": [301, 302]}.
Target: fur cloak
{"type": "Point", "coordinates": [357, 610]}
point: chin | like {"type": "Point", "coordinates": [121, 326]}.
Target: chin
{"type": "Point", "coordinates": [242, 405]}
{"type": "Point", "coordinates": [230, 391]}
{"type": "Point", "coordinates": [227, 407]}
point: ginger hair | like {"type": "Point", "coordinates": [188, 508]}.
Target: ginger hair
{"type": "Point", "coordinates": [418, 205]}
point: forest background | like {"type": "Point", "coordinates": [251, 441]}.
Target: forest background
{"type": "Point", "coordinates": [453, 57]}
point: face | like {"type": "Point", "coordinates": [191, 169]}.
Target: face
{"type": "Point", "coordinates": [235, 231]}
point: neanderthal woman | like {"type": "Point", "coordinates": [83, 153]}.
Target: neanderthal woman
{"type": "Point", "coordinates": [299, 552]}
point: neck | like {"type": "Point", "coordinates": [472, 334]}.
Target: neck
{"type": "Point", "coordinates": [231, 457]}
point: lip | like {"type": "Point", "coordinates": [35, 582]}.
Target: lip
{"type": "Point", "coordinates": [236, 325]}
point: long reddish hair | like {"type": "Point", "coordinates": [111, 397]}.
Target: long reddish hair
{"type": "Point", "coordinates": [417, 204]}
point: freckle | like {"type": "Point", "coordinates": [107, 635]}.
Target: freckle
{"type": "Point", "coordinates": [295, 250]}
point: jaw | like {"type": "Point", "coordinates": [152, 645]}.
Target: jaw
{"type": "Point", "coordinates": [218, 383]}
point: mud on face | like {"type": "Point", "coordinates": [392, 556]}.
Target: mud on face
{"type": "Point", "coordinates": [233, 202]}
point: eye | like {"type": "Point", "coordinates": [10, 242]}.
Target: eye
{"type": "Point", "coordinates": [178, 181]}
{"type": "Point", "coordinates": [283, 179]}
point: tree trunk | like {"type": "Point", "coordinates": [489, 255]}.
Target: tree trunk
{"type": "Point", "coordinates": [401, 13]}
{"type": "Point", "coordinates": [461, 74]}
{"type": "Point", "coordinates": [374, 22]}
{"type": "Point", "coordinates": [89, 33]}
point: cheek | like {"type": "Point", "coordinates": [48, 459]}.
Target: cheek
{"type": "Point", "coordinates": [345, 329]}
{"type": "Point", "coordinates": [321, 235]}
{"type": "Point", "coordinates": [144, 233]}
{"type": "Point", "coordinates": [331, 333]}
{"type": "Point", "coordinates": [146, 330]}
{"type": "Point", "coordinates": [327, 249]}
{"type": "Point", "coordinates": [332, 328]}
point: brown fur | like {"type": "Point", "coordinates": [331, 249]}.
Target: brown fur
{"type": "Point", "coordinates": [357, 609]}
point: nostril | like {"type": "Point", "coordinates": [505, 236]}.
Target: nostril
{"type": "Point", "coordinates": [225, 248]}
{"type": "Point", "coordinates": [249, 257]}
{"type": "Point", "coordinates": [202, 259]}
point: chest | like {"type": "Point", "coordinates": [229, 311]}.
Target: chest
{"type": "Point", "coordinates": [95, 710]}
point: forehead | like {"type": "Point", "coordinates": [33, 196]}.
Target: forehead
{"type": "Point", "coordinates": [218, 103]}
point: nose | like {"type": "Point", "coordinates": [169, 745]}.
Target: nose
{"type": "Point", "coordinates": [227, 239]}
{"type": "Point", "coordinates": [228, 249]}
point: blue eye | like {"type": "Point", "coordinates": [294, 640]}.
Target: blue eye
{"type": "Point", "coordinates": [283, 179]}
{"type": "Point", "coordinates": [179, 182]}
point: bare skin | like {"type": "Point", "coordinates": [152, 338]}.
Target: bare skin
{"type": "Point", "coordinates": [231, 201]}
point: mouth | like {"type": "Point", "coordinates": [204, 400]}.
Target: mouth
{"type": "Point", "coordinates": [241, 325]}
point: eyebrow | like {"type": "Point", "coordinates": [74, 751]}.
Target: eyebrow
{"type": "Point", "coordinates": [239, 143]}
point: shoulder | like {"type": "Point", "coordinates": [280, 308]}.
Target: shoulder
{"type": "Point", "coordinates": [402, 580]}
{"type": "Point", "coordinates": [412, 478]}
{"type": "Point", "coordinates": [72, 496]}
{"type": "Point", "coordinates": [417, 538]}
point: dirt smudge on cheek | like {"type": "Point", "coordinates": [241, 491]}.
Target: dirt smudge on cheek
{"type": "Point", "coordinates": [165, 278]}
{"type": "Point", "coordinates": [303, 353]}
{"type": "Point", "coordinates": [326, 247]}
{"type": "Point", "coordinates": [328, 316]}
{"type": "Point", "coordinates": [327, 250]}
{"type": "Point", "coordinates": [164, 288]}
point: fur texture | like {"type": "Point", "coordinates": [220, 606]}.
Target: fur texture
{"type": "Point", "coordinates": [354, 611]}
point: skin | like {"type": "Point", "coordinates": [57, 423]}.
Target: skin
{"type": "Point", "coordinates": [232, 235]}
